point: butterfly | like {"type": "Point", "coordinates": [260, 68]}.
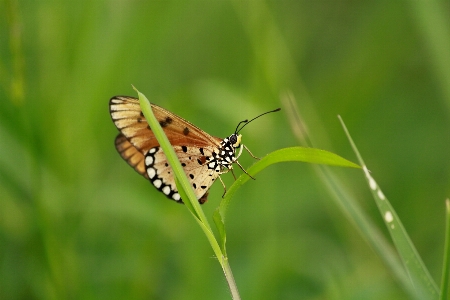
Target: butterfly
{"type": "Point", "coordinates": [203, 157]}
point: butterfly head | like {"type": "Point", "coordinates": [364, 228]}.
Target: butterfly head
{"type": "Point", "coordinates": [235, 140]}
{"type": "Point", "coordinates": [229, 145]}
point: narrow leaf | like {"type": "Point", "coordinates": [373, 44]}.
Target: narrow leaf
{"type": "Point", "coordinates": [221, 228]}
{"type": "Point", "coordinates": [300, 154]}
{"type": "Point", "coordinates": [423, 282]}
{"type": "Point", "coordinates": [171, 156]}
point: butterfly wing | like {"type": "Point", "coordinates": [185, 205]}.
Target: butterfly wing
{"type": "Point", "coordinates": [127, 116]}
{"type": "Point", "coordinates": [131, 154]}
{"type": "Point", "coordinates": [136, 141]}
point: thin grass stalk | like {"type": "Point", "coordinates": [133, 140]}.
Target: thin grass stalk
{"type": "Point", "coordinates": [187, 193]}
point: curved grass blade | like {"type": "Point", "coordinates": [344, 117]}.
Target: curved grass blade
{"type": "Point", "coordinates": [171, 157]}
{"type": "Point", "coordinates": [300, 154]}
{"type": "Point", "coordinates": [220, 224]}
{"type": "Point", "coordinates": [421, 279]}
{"type": "Point", "coordinates": [210, 236]}
{"type": "Point", "coordinates": [350, 207]}
{"type": "Point", "coordinates": [186, 191]}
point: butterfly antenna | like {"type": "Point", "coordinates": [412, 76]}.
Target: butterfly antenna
{"type": "Point", "coordinates": [247, 121]}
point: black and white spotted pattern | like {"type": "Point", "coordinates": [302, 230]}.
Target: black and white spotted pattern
{"type": "Point", "coordinates": [156, 176]}
{"type": "Point", "coordinates": [201, 165]}
{"type": "Point", "coordinates": [222, 161]}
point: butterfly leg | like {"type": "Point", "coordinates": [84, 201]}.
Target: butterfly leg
{"type": "Point", "coordinates": [242, 168]}
{"type": "Point", "coordinates": [240, 152]}
{"type": "Point", "coordinates": [232, 172]}
{"type": "Point", "coordinates": [224, 187]}
{"type": "Point", "coordinates": [250, 152]}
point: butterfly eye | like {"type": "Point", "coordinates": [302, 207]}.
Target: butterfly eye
{"type": "Point", "coordinates": [233, 139]}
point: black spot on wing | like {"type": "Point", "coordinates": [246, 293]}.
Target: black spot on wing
{"type": "Point", "coordinates": [165, 122]}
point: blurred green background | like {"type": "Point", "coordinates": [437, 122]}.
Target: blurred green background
{"type": "Point", "coordinates": [76, 222]}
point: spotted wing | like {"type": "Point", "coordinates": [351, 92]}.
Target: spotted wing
{"type": "Point", "coordinates": [127, 116]}
{"type": "Point", "coordinates": [196, 168]}
{"type": "Point", "coordinates": [136, 140]}
{"type": "Point", "coordinates": [131, 154]}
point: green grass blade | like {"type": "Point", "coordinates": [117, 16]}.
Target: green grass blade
{"type": "Point", "coordinates": [183, 185]}
{"type": "Point", "coordinates": [221, 228]}
{"type": "Point", "coordinates": [171, 158]}
{"type": "Point", "coordinates": [366, 226]}
{"type": "Point", "coordinates": [183, 195]}
{"type": "Point", "coordinates": [187, 193]}
{"type": "Point", "coordinates": [300, 154]}
{"type": "Point", "coordinates": [350, 207]}
{"type": "Point", "coordinates": [209, 235]}
{"type": "Point", "coordinates": [446, 267]}
{"type": "Point", "coordinates": [423, 282]}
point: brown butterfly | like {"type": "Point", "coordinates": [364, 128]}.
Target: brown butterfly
{"type": "Point", "coordinates": [203, 157]}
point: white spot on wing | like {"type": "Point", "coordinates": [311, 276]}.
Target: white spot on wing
{"type": "Point", "coordinates": [151, 173]}
{"type": "Point", "coordinates": [157, 183]}
{"type": "Point", "coordinates": [176, 197]}
{"type": "Point", "coordinates": [166, 190]}
{"type": "Point", "coordinates": [148, 160]}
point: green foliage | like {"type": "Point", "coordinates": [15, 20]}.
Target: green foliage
{"type": "Point", "coordinates": [310, 155]}
{"type": "Point", "coordinates": [422, 284]}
